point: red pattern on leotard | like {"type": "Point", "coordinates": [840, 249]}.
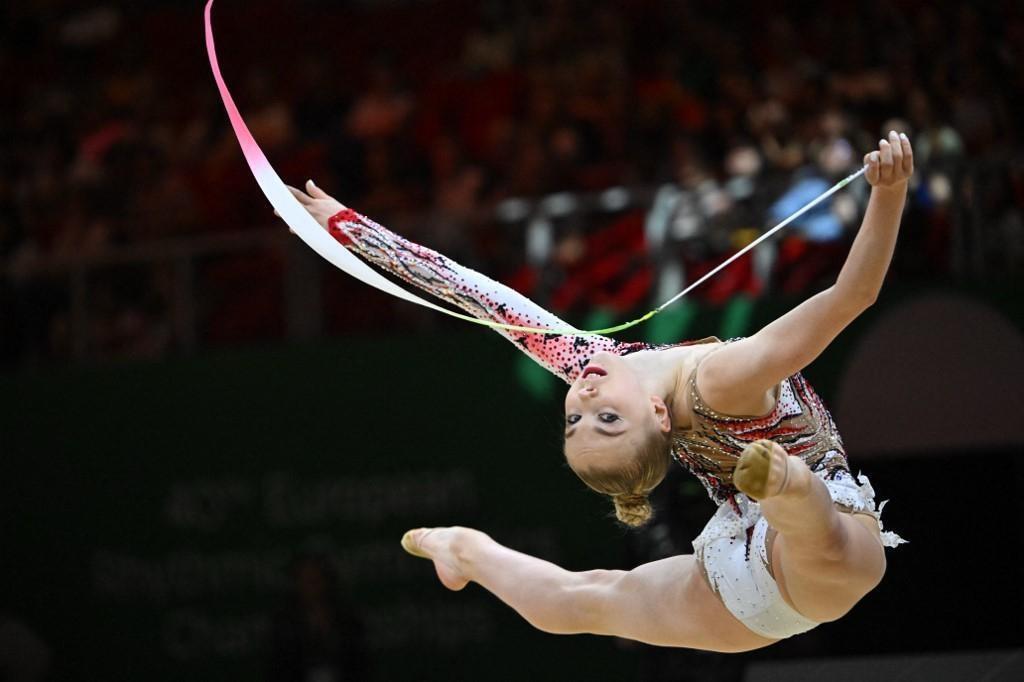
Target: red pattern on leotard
{"type": "Point", "coordinates": [799, 422]}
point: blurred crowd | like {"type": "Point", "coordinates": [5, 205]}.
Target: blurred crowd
{"type": "Point", "coordinates": [436, 117]}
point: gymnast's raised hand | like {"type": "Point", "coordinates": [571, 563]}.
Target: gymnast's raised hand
{"type": "Point", "coordinates": [319, 204]}
{"type": "Point", "coordinates": [797, 539]}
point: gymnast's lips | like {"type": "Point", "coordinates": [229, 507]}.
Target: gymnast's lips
{"type": "Point", "coordinates": [593, 369]}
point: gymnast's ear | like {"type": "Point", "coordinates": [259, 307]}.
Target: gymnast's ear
{"type": "Point", "coordinates": [662, 415]}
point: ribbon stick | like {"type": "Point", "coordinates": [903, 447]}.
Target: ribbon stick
{"type": "Point", "coordinates": [814, 202]}
{"type": "Point", "coordinates": [309, 231]}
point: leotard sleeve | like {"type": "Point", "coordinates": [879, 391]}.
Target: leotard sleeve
{"type": "Point", "coordinates": [564, 355]}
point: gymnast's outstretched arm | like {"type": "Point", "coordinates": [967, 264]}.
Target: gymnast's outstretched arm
{"type": "Point", "coordinates": [746, 370]}
{"type": "Point", "coordinates": [563, 355]}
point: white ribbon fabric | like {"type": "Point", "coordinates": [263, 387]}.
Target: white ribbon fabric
{"type": "Point", "coordinates": [309, 231]}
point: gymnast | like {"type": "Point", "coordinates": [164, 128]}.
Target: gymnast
{"type": "Point", "coordinates": [797, 540]}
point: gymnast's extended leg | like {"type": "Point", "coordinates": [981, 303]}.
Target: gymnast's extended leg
{"type": "Point", "coordinates": [666, 602]}
{"type": "Point", "coordinates": [824, 560]}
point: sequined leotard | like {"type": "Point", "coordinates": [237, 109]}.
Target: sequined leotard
{"type": "Point", "coordinates": [798, 421]}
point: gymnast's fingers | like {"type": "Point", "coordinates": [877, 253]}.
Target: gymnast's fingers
{"type": "Point", "coordinates": [908, 155]}
{"type": "Point", "coordinates": [885, 163]}
{"type": "Point", "coordinates": [871, 161]}
{"type": "Point", "coordinates": [315, 191]}
{"type": "Point", "coordinates": [300, 195]}
{"type": "Point", "coordinates": [897, 155]}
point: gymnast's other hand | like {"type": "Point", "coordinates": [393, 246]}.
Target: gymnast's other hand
{"type": "Point", "coordinates": [319, 203]}
{"type": "Point", "coordinates": [892, 165]}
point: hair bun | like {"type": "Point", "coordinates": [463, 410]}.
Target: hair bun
{"type": "Point", "coordinates": [634, 510]}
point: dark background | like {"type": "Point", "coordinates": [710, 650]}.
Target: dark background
{"type": "Point", "coordinates": [194, 410]}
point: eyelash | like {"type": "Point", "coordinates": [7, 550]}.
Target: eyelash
{"type": "Point", "coordinates": [606, 417]}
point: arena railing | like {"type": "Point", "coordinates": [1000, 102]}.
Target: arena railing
{"type": "Point", "coordinates": [535, 219]}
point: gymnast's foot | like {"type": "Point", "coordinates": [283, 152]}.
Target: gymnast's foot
{"type": "Point", "coordinates": [436, 544]}
{"type": "Point", "coordinates": [765, 470]}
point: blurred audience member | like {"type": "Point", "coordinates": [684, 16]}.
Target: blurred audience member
{"type": "Point", "coordinates": [111, 144]}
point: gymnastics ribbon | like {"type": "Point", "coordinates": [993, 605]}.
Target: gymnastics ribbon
{"type": "Point", "coordinates": [309, 231]}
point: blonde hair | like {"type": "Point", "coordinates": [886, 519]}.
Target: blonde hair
{"type": "Point", "coordinates": [630, 483]}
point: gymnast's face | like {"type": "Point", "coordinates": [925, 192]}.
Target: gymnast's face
{"type": "Point", "coordinates": [608, 413]}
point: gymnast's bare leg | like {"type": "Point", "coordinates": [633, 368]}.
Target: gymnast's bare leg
{"type": "Point", "coordinates": [666, 602]}
{"type": "Point", "coordinates": [823, 560]}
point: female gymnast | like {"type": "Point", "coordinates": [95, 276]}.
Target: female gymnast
{"type": "Point", "coordinates": [796, 540]}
